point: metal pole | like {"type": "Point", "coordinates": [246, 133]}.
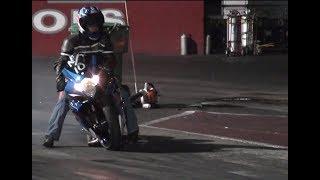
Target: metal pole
{"type": "Point", "coordinates": [132, 56]}
{"type": "Point", "coordinates": [183, 44]}
{"type": "Point", "coordinates": [208, 44]}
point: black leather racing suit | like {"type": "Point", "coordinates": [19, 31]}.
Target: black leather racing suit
{"type": "Point", "coordinates": [78, 43]}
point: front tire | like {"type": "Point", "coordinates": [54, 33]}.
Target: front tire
{"type": "Point", "coordinates": [114, 129]}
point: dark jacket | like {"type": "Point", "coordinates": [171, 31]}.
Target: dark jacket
{"type": "Point", "coordinates": [78, 43]}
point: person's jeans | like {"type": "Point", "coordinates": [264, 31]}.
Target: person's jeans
{"type": "Point", "coordinates": [62, 107]}
{"type": "Point", "coordinates": [57, 118]}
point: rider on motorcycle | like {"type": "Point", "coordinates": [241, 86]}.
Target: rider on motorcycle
{"type": "Point", "coordinates": [91, 37]}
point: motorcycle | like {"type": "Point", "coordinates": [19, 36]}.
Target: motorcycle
{"type": "Point", "coordinates": [95, 98]}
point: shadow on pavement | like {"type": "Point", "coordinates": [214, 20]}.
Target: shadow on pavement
{"type": "Point", "coordinates": [176, 105]}
{"type": "Point", "coordinates": [199, 105]}
{"type": "Point", "coordinates": [69, 146]}
{"type": "Point", "coordinates": [166, 144]}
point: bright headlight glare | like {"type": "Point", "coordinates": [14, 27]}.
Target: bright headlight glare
{"type": "Point", "coordinates": [79, 87]}
{"type": "Point", "coordinates": [87, 85]}
{"type": "Point", "coordinates": [95, 79]}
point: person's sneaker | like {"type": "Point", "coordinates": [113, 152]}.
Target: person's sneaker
{"type": "Point", "coordinates": [94, 142]}
{"type": "Point", "coordinates": [133, 137]}
{"type": "Point", "coordinates": [48, 141]}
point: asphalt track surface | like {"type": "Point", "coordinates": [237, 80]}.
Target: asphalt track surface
{"type": "Point", "coordinates": [219, 118]}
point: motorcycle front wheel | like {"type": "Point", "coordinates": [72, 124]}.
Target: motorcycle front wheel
{"type": "Point", "coordinates": [114, 141]}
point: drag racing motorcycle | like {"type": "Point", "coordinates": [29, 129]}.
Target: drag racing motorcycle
{"type": "Point", "coordinates": [95, 98]}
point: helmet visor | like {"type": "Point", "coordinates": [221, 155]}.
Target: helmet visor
{"type": "Point", "coordinates": [91, 20]}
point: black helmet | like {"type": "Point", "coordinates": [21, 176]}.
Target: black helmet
{"type": "Point", "coordinates": [90, 16]}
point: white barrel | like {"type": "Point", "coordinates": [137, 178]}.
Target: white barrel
{"type": "Point", "coordinates": [208, 44]}
{"type": "Point", "coordinates": [183, 44]}
{"type": "Point", "coordinates": [233, 33]}
{"type": "Point", "coordinates": [244, 31]}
